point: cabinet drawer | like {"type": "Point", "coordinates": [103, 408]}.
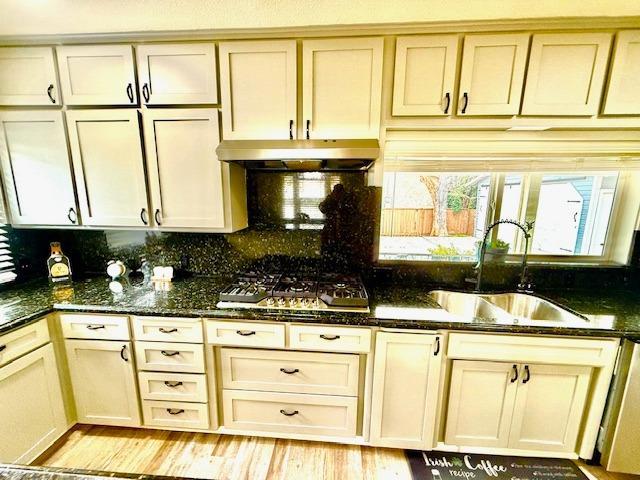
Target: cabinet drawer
{"type": "Point", "coordinates": [170, 357]}
{"type": "Point", "coordinates": [177, 387]}
{"type": "Point", "coordinates": [23, 340]}
{"type": "Point", "coordinates": [337, 339]}
{"type": "Point", "coordinates": [245, 334]}
{"type": "Point", "coordinates": [156, 329]}
{"type": "Point", "coordinates": [288, 371]}
{"type": "Point", "coordinates": [95, 327]}
{"type": "Point", "coordinates": [290, 413]}
{"type": "Point", "coordinates": [523, 348]}
{"type": "Point", "coordinates": [175, 414]}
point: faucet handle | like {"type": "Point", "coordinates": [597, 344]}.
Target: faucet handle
{"type": "Point", "coordinates": [526, 287]}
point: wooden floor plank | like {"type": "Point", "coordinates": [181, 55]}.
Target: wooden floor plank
{"type": "Point", "coordinates": [231, 457]}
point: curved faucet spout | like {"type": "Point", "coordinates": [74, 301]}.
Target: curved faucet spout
{"type": "Point", "coordinates": [526, 227]}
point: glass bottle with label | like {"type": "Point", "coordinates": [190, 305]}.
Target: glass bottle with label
{"type": "Point", "coordinates": [58, 265]}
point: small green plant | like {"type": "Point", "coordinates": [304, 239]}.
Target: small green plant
{"type": "Point", "coordinates": [443, 250]}
{"type": "Point", "coordinates": [498, 244]}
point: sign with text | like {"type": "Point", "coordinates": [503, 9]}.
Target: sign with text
{"type": "Point", "coordinates": [461, 466]}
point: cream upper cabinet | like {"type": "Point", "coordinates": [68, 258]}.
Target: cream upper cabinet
{"type": "Point", "coordinates": [28, 76]}
{"type": "Point", "coordinates": [104, 383]}
{"type": "Point", "coordinates": [108, 167]}
{"type": "Point", "coordinates": [404, 417]}
{"type": "Point", "coordinates": [425, 73]}
{"type": "Point", "coordinates": [566, 74]}
{"type": "Point", "coordinates": [190, 187]}
{"type": "Point", "coordinates": [342, 87]}
{"type": "Point", "coordinates": [36, 168]}
{"type": "Point", "coordinates": [481, 400]}
{"type": "Point", "coordinates": [32, 411]}
{"type": "Point", "coordinates": [549, 407]}
{"type": "Point", "coordinates": [97, 74]}
{"type": "Point", "coordinates": [258, 88]}
{"type": "Point", "coordinates": [623, 94]}
{"type": "Point", "coordinates": [492, 74]}
{"type": "Point", "coordinates": [183, 73]}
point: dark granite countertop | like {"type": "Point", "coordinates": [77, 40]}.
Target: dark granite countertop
{"type": "Point", "coordinates": [611, 313]}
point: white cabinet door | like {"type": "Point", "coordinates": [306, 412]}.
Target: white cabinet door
{"type": "Point", "coordinates": [185, 175]}
{"type": "Point", "coordinates": [566, 73]}
{"type": "Point", "coordinates": [548, 407]}
{"type": "Point", "coordinates": [182, 73]}
{"type": "Point", "coordinates": [103, 380]}
{"type": "Point", "coordinates": [28, 76]}
{"type": "Point", "coordinates": [403, 417]}
{"type": "Point", "coordinates": [481, 399]}
{"type": "Point", "coordinates": [108, 166]}
{"type": "Point", "coordinates": [342, 87]}
{"type": "Point", "coordinates": [97, 74]}
{"type": "Point", "coordinates": [36, 168]}
{"type": "Point", "coordinates": [492, 74]}
{"type": "Point", "coordinates": [425, 73]}
{"type": "Point", "coordinates": [32, 412]}
{"type": "Point", "coordinates": [623, 93]}
{"type": "Point", "coordinates": [258, 88]}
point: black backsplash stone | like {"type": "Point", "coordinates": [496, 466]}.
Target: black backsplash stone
{"type": "Point", "coordinates": [298, 221]}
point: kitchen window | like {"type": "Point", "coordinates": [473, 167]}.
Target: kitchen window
{"type": "Point", "coordinates": [430, 214]}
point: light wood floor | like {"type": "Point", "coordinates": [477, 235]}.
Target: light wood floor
{"type": "Point", "coordinates": [210, 456]}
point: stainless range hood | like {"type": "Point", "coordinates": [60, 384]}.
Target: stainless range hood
{"type": "Point", "coordinates": [300, 155]}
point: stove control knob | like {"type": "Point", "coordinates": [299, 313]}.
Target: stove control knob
{"type": "Point", "coordinates": [305, 303]}
{"type": "Point", "coordinates": [270, 301]}
{"type": "Point", "coordinates": [281, 302]}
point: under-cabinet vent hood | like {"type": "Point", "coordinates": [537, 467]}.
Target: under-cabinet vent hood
{"type": "Point", "coordinates": [307, 155]}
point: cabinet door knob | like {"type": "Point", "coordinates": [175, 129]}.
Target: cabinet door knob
{"type": "Point", "coordinates": [447, 98]}
{"type": "Point", "coordinates": [330, 337]}
{"type": "Point", "coordinates": [173, 384]}
{"type": "Point", "coordinates": [174, 411]}
{"type": "Point", "coordinates": [290, 129]}
{"type": "Point", "coordinates": [130, 92]}
{"type": "Point", "coordinates": [49, 93]}
{"type": "Point", "coordinates": [156, 217]}
{"type": "Point", "coordinates": [465, 102]}
{"type": "Point", "coordinates": [167, 330]}
{"type": "Point", "coordinates": [308, 128]}
{"type": "Point", "coordinates": [73, 219]}
{"type": "Point", "coordinates": [527, 374]}
{"type": "Point", "coordinates": [515, 373]}
{"type": "Point", "coordinates": [124, 349]}
{"type": "Point", "coordinates": [290, 371]}
{"type": "Point", "coordinates": [245, 333]}
{"type": "Point", "coordinates": [436, 349]}
{"type": "Point", "coordinates": [145, 92]}
{"type": "Point", "coordinates": [95, 327]}
{"type": "Point", "coordinates": [289, 414]}
{"type": "Point", "coordinates": [169, 354]}
{"type": "Point", "coordinates": [143, 216]}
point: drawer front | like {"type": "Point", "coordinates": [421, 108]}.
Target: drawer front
{"type": "Point", "coordinates": [175, 414]}
{"type": "Point", "coordinates": [336, 339]}
{"type": "Point", "coordinates": [173, 387]}
{"type": "Point", "coordinates": [157, 329]}
{"type": "Point", "coordinates": [288, 371]}
{"type": "Point", "coordinates": [170, 357]}
{"type": "Point", "coordinates": [290, 413]}
{"type": "Point", "coordinates": [523, 348]}
{"type": "Point", "coordinates": [95, 327]}
{"type": "Point", "coordinates": [23, 340]}
{"type": "Point", "coordinates": [245, 334]}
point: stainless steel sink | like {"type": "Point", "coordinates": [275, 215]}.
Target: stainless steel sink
{"type": "Point", "coordinates": [530, 307]}
{"type": "Point", "coordinates": [467, 305]}
{"type": "Point", "coordinates": [511, 307]}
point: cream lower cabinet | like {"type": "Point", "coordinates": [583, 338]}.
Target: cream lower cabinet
{"type": "Point", "coordinates": [522, 407]}
{"type": "Point", "coordinates": [104, 382]}
{"type": "Point", "coordinates": [406, 377]}
{"type": "Point", "coordinates": [32, 413]}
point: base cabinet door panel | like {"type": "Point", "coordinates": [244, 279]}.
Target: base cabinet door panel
{"type": "Point", "coordinates": [37, 168]}
{"type": "Point", "coordinates": [548, 407]}
{"type": "Point", "coordinates": [481, 400]}
{"type": "Point", "coordinates": [404, 417]}
{"type": "Point", "coordinates": [28, 77]}
{"type": "Point", "coordinates": [108, 166]}
{"type": "Point", "coordinates": [104, 382]}
{"type": "Point", "coordinates": [32, 413]}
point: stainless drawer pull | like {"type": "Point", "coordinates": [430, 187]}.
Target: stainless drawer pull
{"type": "Point", "coordinates": [167, 330]}
{"type": "Point", "coordinates": [95, 327]}
{"type": "Point", "coordinates": [173, 384]}
{"type": "Point", "coordinates": [330, 337]}
{"type": "Point", "coordinates": [245, 333]}
{"type": "Point", "coordinates": [289, 372]}
{"type": "Point", "coordinates": [174, 411]}
{"type": "Point", "coordinates": [289, 414]}
{"type": "Point", "coordinates": [169, 354]}
{"type": "Point", "coordinates": [3, 347]}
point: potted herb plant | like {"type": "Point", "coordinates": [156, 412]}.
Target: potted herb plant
{"type": "Point", "coordinates": [496, 251]}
